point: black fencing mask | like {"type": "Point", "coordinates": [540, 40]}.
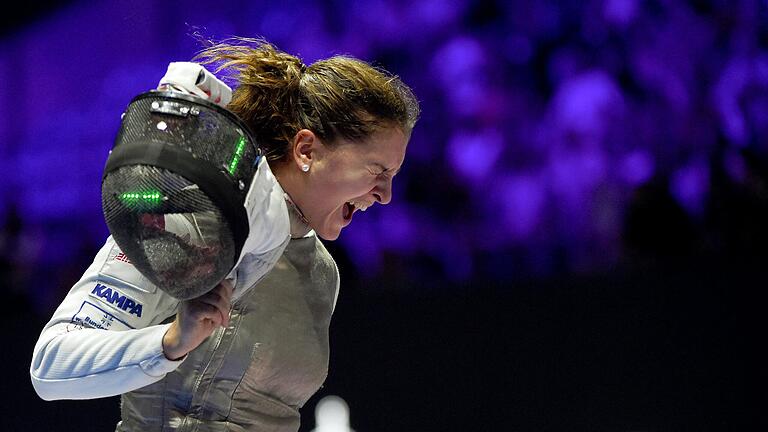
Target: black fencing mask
{"type": "Point", "coordinates": [174, 189]}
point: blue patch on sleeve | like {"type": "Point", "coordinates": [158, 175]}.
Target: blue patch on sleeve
{"type": "Point", "coordinates": [117, 299]}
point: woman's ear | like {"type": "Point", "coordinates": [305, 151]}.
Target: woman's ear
{"type": "Point", "coordinates": [305, 149]}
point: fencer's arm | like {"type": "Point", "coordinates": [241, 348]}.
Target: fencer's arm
{"type": "Point", "coordinates": [105, 338]}
{"type": "Point", "coordinates": [91, 363]}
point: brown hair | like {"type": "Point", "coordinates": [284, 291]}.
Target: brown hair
{"type": "Point", "coordinates": [277, 95]}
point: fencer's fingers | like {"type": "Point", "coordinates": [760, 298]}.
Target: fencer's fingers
{"type": "Point", "coordinates": [201, 311]}
{"type": "Point", "coordinates": [227, 287]}
{"type": "Point", "coordinates": [220, 301]}
{"type": "Point", "coordinates": [224, 289]}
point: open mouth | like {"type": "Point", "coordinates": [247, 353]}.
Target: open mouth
{"type": "Point", "coordinates": [349, 209]}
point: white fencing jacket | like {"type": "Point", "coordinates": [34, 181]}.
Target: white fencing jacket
{"type": "Point", "coordinates": [75, 358]}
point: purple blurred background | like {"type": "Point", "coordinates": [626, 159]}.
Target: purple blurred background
{"type": "Point", "coordinates": [561, 141]}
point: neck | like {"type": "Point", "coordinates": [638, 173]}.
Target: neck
{"type": "Point", "coordinates": [291, 182]}
{"type": "Point", "coordinates": [292, 186]}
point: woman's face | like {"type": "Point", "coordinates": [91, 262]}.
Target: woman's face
{"type": "Point", "coordinates": [348, 177]}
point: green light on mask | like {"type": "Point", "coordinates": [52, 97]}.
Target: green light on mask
{"type": "Point", "coordinates": [239, 150]}
{"type": "Point", "coordinates": [151, 198]}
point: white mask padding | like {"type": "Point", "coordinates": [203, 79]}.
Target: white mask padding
{"type": "Point", "coordinates": [197, 80]}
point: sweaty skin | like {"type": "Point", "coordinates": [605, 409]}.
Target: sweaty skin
{"type": "Point", "coordinates": [361, 173]}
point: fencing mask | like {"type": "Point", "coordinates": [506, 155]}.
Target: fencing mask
{"type": "Point", "coordinates": [174, 188]}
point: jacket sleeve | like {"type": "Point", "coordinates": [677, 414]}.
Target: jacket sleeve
{"type": "Point", "coordinates": [106, 336]}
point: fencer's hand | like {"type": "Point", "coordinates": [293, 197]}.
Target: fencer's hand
{"type": "Point", "coordinates": [195, 79]}
{"type": "Point", "coordinates": [196, 320]}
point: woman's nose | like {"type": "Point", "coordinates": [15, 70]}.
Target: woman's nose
{"type": "Point", "coordinates": [383, 192]}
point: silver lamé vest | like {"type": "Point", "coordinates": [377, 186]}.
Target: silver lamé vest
{"type": "Point", "coordinates": [255, 374]}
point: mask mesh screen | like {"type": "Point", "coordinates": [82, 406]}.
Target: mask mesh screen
{"type": "Point", "coordinates": [171, 231]}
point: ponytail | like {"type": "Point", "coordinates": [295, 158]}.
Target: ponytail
{"type": "Point", "coordinates": [277, 95]}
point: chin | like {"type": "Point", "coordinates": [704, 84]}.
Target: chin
{"type": "Point", "coordinates": [330, 235]}
{"type": "Point", "coordinates": [328, 232]}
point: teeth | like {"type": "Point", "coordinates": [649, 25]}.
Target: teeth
{"type": "Point", "coordinates": [359, 206]}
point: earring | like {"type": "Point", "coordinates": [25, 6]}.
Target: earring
{"type": "Point", "coordinates": [305, 167]}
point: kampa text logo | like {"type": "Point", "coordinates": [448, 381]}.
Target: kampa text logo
{"type": "Point", "coordinates": [117, 299]}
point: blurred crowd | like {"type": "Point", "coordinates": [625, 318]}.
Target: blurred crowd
{"type": "Point", "coordinates": [564, 137]}
{"type": "Point", "coordinates": [557, 137]}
